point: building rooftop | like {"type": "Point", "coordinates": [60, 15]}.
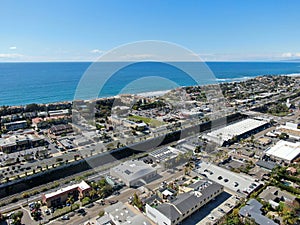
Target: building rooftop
{"type": "Point", "coordinates": [266, 164]}
{"type": "Point", "coordinates": [285, 150]}
{"type": "Point", "coordinates": [236, 129]}
{"type": "Point", "coordinates": [200, 190]}
{"type": "Point", "coordinates": [169, 210]}
{"type": "Point", "coordinates": [253, 210]}
{"type": "Point", "coordinates": [13, 139]}
{"type": "Point", "coordinates": [121, 213]}
{"type": "Point", "coordinates": [15, 122]}
{"type": "Point", "coordinates": [82, 186]}
{"type": "Point", "coordinates": [231, 180]}
{"type": "Point", "coordinates": [275, 194]}
{"type": "Point", "coordinates": [165, 153]}
{"type": "Point", "coordinates": [132, 170]}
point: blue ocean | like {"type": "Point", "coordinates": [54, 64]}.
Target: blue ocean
{"type": "Point", "coordinates": [24, 83]}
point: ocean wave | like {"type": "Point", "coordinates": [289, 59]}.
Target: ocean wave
{"type": "Point", "coordinates": [153, 93]}
{"type": "Point", "coordinates": [233, 79]}
{"type": "Point", "coordinates": [293, 74]}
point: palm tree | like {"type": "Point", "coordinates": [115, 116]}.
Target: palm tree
{"type": "Point", "coordinates": [93, 193]}
{"type": "Point", "coordinates": [70, 200]}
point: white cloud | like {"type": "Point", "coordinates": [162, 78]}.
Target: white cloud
{"type": "Point", "coordinates": [137, 56]}
{"type": "Point", "coordinates": [98, 51]}
{"type": "Point", "coordinates": [10, 56]}
{"type": "Point", "coordinates": [290, 54]}
{"type": "Point", "coordinates": [12, 47]}
{"type": "Point", "coordinates": [287, 54]}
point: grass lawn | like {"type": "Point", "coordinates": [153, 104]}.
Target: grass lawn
{"type": "Point", "coordinates": [149, 121]}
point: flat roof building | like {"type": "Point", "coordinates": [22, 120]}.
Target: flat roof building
{"type": "Point", "coordinates": [58, 197]}
{"type": "Point", "coordinates": [18, 142]}
{"type": "Point", "coordinates": [134, 173]}
{"type": "Point", "coordinates": [234, 132]}
{"type": "Point", "coordinates": [61, 112]}
{"type": "Point", "coordinates": [184, 205]}
{"type": "Point", "coordinates": [284, 150]}
{"type": "Point", "coordinates": [169, 157]}
{"type": "Point", "coordinates": [120, 214]}
{"type": "Point", "coordinates": [15, 125]}
{"type": "Point", "coordinates": [240, 183]}
{"type": "Point", "coordinates": [60, 129]}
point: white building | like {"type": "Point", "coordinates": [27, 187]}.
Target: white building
{"type": "Point", "coordinates": [284, 150]}
{"type": "Point", "coordinates": [120, 214]}
{"type": "Point", "coordinates": [134, 173]}
{"type": "Point", "coordinates": [241, 129]}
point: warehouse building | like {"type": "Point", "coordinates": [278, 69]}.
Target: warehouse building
{"type": "Point", "coordinates": [284, 151]}
{"type": "Point", "coordinates": [234, 132]}
{"type": "Point", "coordinates": [134, 173]}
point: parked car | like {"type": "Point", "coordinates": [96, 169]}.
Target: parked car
{"type": "Point", "coordinates": [116, 193]}
{"type": "Point", "coordinates": [65, 217]}
{"type": "Point", "coordinates": [89, 205]}
{"type": "Point", "coordinates": [80, 211]}
{"type": "Point", "coordinates": [113, 202]}
{"type": "Point", "coordinates": [47, 212]}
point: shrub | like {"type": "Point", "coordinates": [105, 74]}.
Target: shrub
{"type": "Point", "coordinates": [101, 213]}
{"type": "Point", "coordinates": [65, 210]}
{"type": "Point", "coordinates": [14, 200]}
{"type": "Point", "coordinates": [86, 201]}
{"type": "Point", "coordinates": [25, 195]}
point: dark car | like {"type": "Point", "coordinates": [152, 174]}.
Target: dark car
{"type": "Point", "coordinates": [80, 211]}
{"type": "Point", "coordinates": [89, 205]}
{"type": "Point", "coordinates": [113, 202]}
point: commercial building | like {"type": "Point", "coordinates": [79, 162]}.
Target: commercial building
{"type": "Point", "coordinates": [240, 183]}
{"type": "Point", "coordinates": [60, 196]}
{"type": "Point", "coordinates": [17, 142]}
{"type": "Point", "coordinates": [120, 214]}
{"type": "Point", "coordinates": [252, 210]}
{"type": "Point", "coordinates": [284, 151]}
{"type": "Point", "coordinates": [60, 129]}
{"type": "Point", "coordinates": [115, 120]}
{"type": "Point", "coordinates": [15, 125]}
{"type": "Point", "coordinates": [236, 131]}
{"type": "Point", "coordinates": [134, 173]}
{"type": "Point", "coordinates": [169, 157]}
{"type": "Point", "coordinates": [292, 129]}
{"type": "Point", "coordinates": [191, 114]}
{"type": "Point", "coordinates": [185, 204]}
{"type": "Point", "coordinates": [62, 112]}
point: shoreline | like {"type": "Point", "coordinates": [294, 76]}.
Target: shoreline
{"type": "Point", "coordinates": [157, 93]}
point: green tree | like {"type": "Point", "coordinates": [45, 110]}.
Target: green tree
{"type": "Point", "coordinates": [137, 201]}
{"type": "Point", "coordinates": [70, 200]}
{"type": "Point", "coordinates": [17, 217]}
{"type": "Point", "coordinates": [93, 193]}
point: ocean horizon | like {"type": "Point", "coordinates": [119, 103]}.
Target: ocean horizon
{"type": "Point", "coordinates": [48, 82]}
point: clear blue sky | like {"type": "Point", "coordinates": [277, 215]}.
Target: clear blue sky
{"type": "Point", "coordinates": [55, 30]}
